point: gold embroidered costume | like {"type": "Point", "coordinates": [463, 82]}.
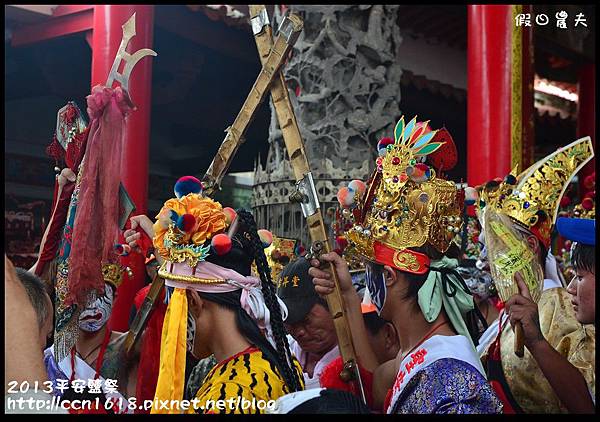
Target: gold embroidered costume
{"type": "Point", "coordinates": [560, 327]}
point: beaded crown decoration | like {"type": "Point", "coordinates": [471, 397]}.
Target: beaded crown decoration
{"type": "Point", "coordinates": [532, 199]}
{"type": "Point", "coordinates": [404, 204]}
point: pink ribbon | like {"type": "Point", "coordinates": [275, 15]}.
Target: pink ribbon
{"type": "Point", "coordinates": [251, 299]}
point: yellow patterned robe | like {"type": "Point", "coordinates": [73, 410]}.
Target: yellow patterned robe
{"type": "Point", "coordinates": [247, 375]}
{"type": "Point", "coordinates": [570, 338]}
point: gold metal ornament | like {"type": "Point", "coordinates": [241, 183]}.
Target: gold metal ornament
{"type": "Point", "coordinates": [580, 212]}
{"type": "Point", "coordinates": [539, 189]}
{"type": "Point", "coordinates": [406, 261]}
{"type": "Point", "coordinates": [278, 254]}
{"type": "Point", "coordinates": [113, 273]}
{"type": "Point", "coordinates": [169, 275]}
{"type": "Point", "coordinates": [183, 252]}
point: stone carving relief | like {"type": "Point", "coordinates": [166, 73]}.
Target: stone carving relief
{"type": "Point", "coordinates": [344, 82]}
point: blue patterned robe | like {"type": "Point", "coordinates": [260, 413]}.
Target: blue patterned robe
{"type": "Point", "coordinates": [448, 386]}
{"type": "Point", "coordinates": [443, 375]}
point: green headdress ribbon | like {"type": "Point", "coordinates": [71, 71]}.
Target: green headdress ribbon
{"type": "Point", "coordinates": [444, 286]}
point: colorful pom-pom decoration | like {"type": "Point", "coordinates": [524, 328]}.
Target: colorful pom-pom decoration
{"type": "Point", "coordinates": [186, 222]}
{"type": "Point", "coordinates": [418, 173]}
{"type": "Point", "coordinates": [230, 215]}
{"type": "Point", "coordinates": [345, 197]}
{"type": "Point", "coordinates": [382, 145]}
{"type": "Point", "coordinates": [565, 201]}
{"type": "Point", "coordinates": [186, 185]}
{"type": "Point", "coordinates": [266, 237]}
{"type": "Point", "coordinates": [591, 194]}
{"type": "Point", "coordinates": [122, 249]}
{"type": "Point", "coordinates": [173, 216]}
{"type": "Point", "coordinates": [342, 243]}
{"type": "Point", "coordinates": [357, 186]}
{"type": "Point", "coordinates": [471, 195]}
{"type": "Point", "coordinates": [221, 244]}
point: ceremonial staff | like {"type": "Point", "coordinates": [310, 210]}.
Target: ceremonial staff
{"type": "Point", "coordinates": [288, 34]}
{"type": "Point", "coordinates": [305, 193]}
{"type": "Point", "coordinates": [126, 204]}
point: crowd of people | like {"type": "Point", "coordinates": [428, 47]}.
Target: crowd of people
{"type": "Point", "coordinates": [427, 322]}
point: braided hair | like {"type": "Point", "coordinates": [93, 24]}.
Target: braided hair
{"type": "Point", "coordinates": [251, 242]}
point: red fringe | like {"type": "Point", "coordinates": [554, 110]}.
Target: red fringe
{"type": "Point", "coordinates": [95, 229]}
{"type": "Point", "coordinates": [76, 150]}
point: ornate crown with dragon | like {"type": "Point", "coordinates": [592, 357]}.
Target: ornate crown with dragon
{"type": "Point", "coordinates": [404, 204]}
{"type": "Point", "coordinates": [192, 226]}
{"type": "Point", "coordinates": [532, 198]}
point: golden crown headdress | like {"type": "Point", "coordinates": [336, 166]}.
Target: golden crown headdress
{"type": "Point", "coordinates": [532, 199]}
{"type": "Point", "coordinates": [404, 205]}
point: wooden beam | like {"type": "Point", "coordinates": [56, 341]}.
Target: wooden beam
{"type": "Point", "coordinates": [54, 27]}
{"type": "Point", "coordinates": [69, 9]}
{"type": "Point", "coordinates": [201, 30]}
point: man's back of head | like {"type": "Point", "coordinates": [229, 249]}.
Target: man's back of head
{"type": "Point", "coordinates": [39, 296]}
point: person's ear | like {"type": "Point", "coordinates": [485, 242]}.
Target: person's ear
{"type": "Point", "coordinates": [195, 303]}
{"type": "Point", "coordinates": [390, 276]}
{"type": "Point", "coordinates": [391, 338]}
{"type": "Point", "coordinates": [533, 243]}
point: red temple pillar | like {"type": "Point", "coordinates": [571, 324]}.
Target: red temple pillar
{"type": "Point", "coordinates": [586, 114]}
{"type": "Point", "coordinates": [499, 90]}
{"type": "Point", "coordinates": [106, 37]}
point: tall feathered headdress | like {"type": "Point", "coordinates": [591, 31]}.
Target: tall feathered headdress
{"type": "Point", "coordinates": [404, 205]}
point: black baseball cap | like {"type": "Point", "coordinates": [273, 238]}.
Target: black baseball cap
{"type": "Point", "coordinates": [296, 289]}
